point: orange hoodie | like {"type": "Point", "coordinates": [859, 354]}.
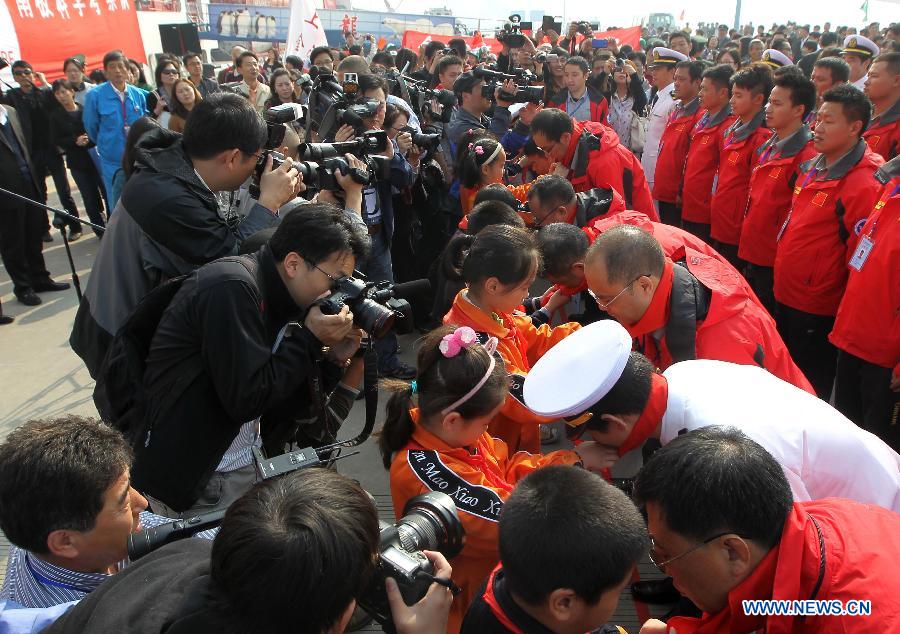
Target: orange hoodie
{"type": "Point", "coordinates": [521, 345]}
{"type": "Point", "coordinates": [479, 479]}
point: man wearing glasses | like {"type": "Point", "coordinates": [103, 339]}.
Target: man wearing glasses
{"type": "Point", "coordinates": [697, 308]}
{"type": "Point", "coordinates": [725, 526]}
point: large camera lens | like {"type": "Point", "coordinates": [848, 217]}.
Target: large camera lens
{"type": "Point", "coordinates": [373, 318]}
{"type": "Point", "coordinates": [430, 522]}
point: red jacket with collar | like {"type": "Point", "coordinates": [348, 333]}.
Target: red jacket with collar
{"type": "Point", "coordinates": [771, 190]}
{"type": "Point", "coordinates": [737, 328]}
{"type": "Point", "coordinates": [702, 164]}
{"type": "Point", "coordinates": [830, 549]}
{"type": "Point", "coordinates": [822, 229]}
{"type": "Point", "coordinates": [599, 105]}
{"type": "Point", "coordinates": [868, 319]}
{"type": "Point", "coordinates": [673, 150]}
{"type": "Point", "coordinates": [596, 159]}
{"type": "Point", "coordinates": [735, 165]}
{"type": "Point", "coordinates": [883, 133]}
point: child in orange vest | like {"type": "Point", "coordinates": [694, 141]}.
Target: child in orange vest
{"type": "Point", "coordinates": [498, 266]}
{"type": "Point", "coordinates": [443, 445]}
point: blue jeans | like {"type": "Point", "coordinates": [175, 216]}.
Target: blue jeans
{"type": "Point", "coordinates": [378, 269]}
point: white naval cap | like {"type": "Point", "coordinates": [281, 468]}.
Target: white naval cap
{"type": "Point", "coordinates": [578, 371]}
{"type": "Point", "coordinates": [859, 45]}
{"type": "Point", "coordinates": [776, 59]}
{"type": "Point", "coordinates": [667, 57]}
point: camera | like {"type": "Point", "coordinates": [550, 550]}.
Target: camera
{"type": "Point", "coordinates": [424, 141]}
{"type": "Point", "coordinates": [585, 28]}
{"type": "Point", "coordinates": [430, 522]}
{"type": "Point", "coordinates": [326, 97]}
{"type": "Point", "coordinates": [420, 97]}
{"type": "Point", "coordinates": [276, 118]}
{"type": "Point", "coordinates": [375, 307]}
{"type": "Point", "coordinates": [511, 33]}
{"type": "Point", "coordinates": [354, 114]}
{"type": "Point", "coordinates": [369, 142]}
{"type": "Point", "coordinates": [322, 175]}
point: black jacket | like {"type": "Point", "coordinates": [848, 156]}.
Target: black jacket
{"type": "Point", "coordinates": [65, 128]}
{"type": "Point", "coordinates": [211, 368]}
{"type": "Point", "coordinates": [34, 110]}
{"type": "Point", "coordinates": [167, 591]}
{"type": "Point", "coordinates": [166, 224]}
{"type": "Point", "coordinates": [604, 83]}
{"type": "Point", "coordinates": [10, 175]}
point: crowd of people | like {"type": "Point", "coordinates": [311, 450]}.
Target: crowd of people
{"type": "Point", "coordinates": [715, 212]}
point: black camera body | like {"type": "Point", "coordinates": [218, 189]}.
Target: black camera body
{"type": "Point", "coordinates": [375, 308]}
{"type": "Point", "coordinates": [430, 522]}
{"type": "Point", "coordinates": [354, 114]}
{"type": "Point", "coordinates": [369, 142]}
{"type": "Point", "coordinates": [276, 119]}
{"type": "Point", "coordinates": [416, 93]}
{"type": "Point", "coordinates": [423, 140]}
{"type": "Point", "coordinates": [511, 33]}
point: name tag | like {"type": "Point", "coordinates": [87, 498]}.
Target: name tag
{"type": "Point", "coordinates": [863, 249]}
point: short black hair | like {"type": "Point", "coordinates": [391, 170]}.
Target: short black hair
{"type": "Point", "coordinates": [313, 521]}
{"type": "Point", "coordinates": [223, 121]}
{"type": "Point", "coordinates": [552, 123]}
{"type": "Point", "coordinates": [405, 55]}
{"type": "Point", "coordinates": [839, 69]}
{"type": "Point", "coordinates": [240, 60]}
{"type": "Point", "coordinates": [803, 91]}
{"type": "Point", "coordinates": [720, 75]}
{"type": "Point", "coordinates": [550, 510]}
{"type": "Point", "coordinates": [492, 212]}
{"type": "Point", "coordinates": [639, 56]}
{"type": "Point", "coordinates": [497, 191]}
{"type": "Point", "coordinates": [695, 68]}
{"type": "Point", "coordinates": [508, 253]}
{"type": "Point", "coordinates": [371, 82]}
{"type": "Point", "coordinates": [892, 59]}
{"type": "Point", "coordinates": [630, 394]}
{"type": "Point", "coordinates": [317, 231]}
{"type": "Point", "coordinates": [355, 49]}
{"type": "Point", "coordinates": [458, 45]}
{"type": "Point", "coordinates": [114, 56]}
{"type": "Point", "coordinates": [580, 62]}
{"type": "Point", "coordinates": [189, 56]}
{"type": "Point", "coordinates": [562, 244]}
{"type": "Point", "coordinates": [62, 83]}
{"type": "Point", "coordinates": [757, 78]}
{"type": "Point", "coordinates": [384, 58]}
{"type": "Point", "coordinates": [829, 38]}
{"type": "Point", "coordinates": [445, 61]}
{"type": "Point", "coordinates": [295, 61]}
{"type": "Point", "coordinates": [628, 252]}
{"type": "Point", "coordinates": [433, 47]}
{"type": "Point", "coordinates": [552, 190]}
{"type": "Point", "coordinates": [674, 34]}
{"type": "Point", "coordinates": [73, 60]}
{"type": "Point", "coordinates": [54, 474]}
{"type": "Point", "coordinates": [716, 479]}
{"type": "Point", "coordinates": [856, 105]}
{"type": "Point", "coordinates": [319, 50]}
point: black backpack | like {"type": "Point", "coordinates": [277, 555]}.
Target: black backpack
{"type": "Point", "coordinates": [122, 372]}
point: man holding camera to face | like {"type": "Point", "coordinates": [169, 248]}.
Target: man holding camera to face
{"type": "Point", "coordinates": [168, 221]}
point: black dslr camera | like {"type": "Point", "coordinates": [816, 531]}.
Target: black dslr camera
{"type": "Point", "coordinates": [276, 118]}
{"type": "Point", "coordinates": [354, 114]}
{"type": "Point", "coordinates": [524, 93]}
{"type": "Point", "coordinates": [375, 307]}
{"type": "Point", "coordinates": [425, 141]}
{"type": "Point", "coordinates": [430, 522]}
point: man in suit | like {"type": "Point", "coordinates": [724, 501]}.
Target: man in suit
{"type": "Point", "coordinates": [21, 225]}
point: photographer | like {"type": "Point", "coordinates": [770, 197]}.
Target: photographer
{"type": "Point", "coordinates": [168, 222]}
{"type": "Point", "coordinates": [227, 351]}
{"type": "Point", "coordinates": [378, 210]}
{"type": "Point", "coordinates": [292, 555]}
{"type": "Point", "coordinates": [473, 105]}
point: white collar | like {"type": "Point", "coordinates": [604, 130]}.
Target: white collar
{"type": "Point", "coordinates": [3, 116]}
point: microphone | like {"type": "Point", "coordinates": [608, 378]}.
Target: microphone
{"type": "Point", "coordinates": [146, 541]}
{"type": "Point", "coordinates": [415, 288]}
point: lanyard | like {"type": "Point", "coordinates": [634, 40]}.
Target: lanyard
{"type": "Point", "coordinates": [877, 212]}
{"type": "Point", "coordinates": [51, 582]}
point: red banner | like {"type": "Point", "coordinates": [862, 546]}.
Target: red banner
{"type": "Point", "coordinates": [49, 31]}
{"type": "Point", "coordinates": [631, 35]}
{"type": "Point", "coordinates": [414, 39]}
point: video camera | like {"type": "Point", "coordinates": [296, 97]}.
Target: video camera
{"type": "Point", "coordinates": [328, 99]}
{"type": "Point", "coordinates": [494, 79]}
{"type": "Point", "coordinates": [416, 93]}
{"type": "Point", "coordinates": [354, 114]}
{"type": "Point", "coordinates": [376, 306]}
{"type": "Point", "coordinates": [511, 34]}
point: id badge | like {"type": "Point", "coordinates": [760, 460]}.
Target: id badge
{"type": "Point", "coordinates": [863, 249]}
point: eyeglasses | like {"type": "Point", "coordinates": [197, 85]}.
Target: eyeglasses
{"type": "Point", "coordinates": [604, 306]}
{"type": "Point", "coordinates": [333, 279]}
{"type": "Point", "coordinates": [662, 564]}
{"type": "Point", "coordinates": [22, 72]}
{"type": "Point", "coordinates": [169, 71]}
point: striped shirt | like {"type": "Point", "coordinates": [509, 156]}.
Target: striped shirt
{"type": "Point", "coordinates": [34, 583]}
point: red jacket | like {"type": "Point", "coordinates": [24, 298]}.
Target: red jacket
{"type": "Point", "coordinates": [733, 184]}
{"type": "Point", "coordinates": [734, 328]}
{"type": "Point", "coordinates": [820, 233]}
{"type": "Point", "coordinates": [830, 549]}
{"type": "Point", "coordinates": [868, 319]}
{"type": "Point", "coordinates": [596, 159]}
{"type": "Point", "coordinates": [702, 164]}
{"type": "Point", "coordinates": [771, 191]}
{"type": "Point", "coordinates": [883, 133]}
{"type": "Point", "coordinates": [599, 105]}
{"type": "Point", "coordinates": [673, 150]}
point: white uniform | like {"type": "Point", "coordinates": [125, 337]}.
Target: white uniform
{"type": "Point", "coordinates": [823, 454]}
{"type": "Point", "coordinates": [659, 116]}
{"type": "Point", "coordinates": [860, 83]}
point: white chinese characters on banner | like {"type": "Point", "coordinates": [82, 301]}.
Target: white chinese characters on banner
{"type": "Point", "coordinates": [24, 7]}
{"type": "Point", "coordinates": [45, 10]}
{"type": "Point", "coordinates": [62, 8]}
{"type": "Point", "coordinates": [305, 31]}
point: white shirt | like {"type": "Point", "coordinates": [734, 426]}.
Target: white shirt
{"type": "Point", "coordinates": [823, 454]}
{"type": "Point", "coordinates": [860, 83]}
{"type": "Point", "coordinates": [659, 116]}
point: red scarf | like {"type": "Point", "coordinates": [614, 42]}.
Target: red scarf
{"type": "Point", "coordinates": [480, 457]}
{"type": "Point", "coordinates": [658, 311]}
{"type": "Point", "coordinates": [651, 416]}
{"type": "Point", "coordinates": [778, 576]}
{"type": "Point", "coordinates": [492, 602]}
